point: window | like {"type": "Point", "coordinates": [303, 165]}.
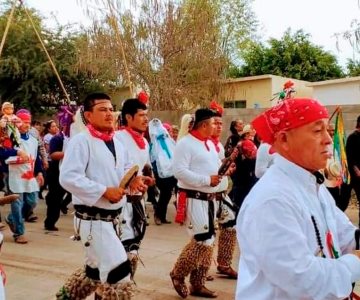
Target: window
{"type": "Point", "coordinates": [235, 104]}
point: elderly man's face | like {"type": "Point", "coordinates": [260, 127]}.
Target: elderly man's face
{"type": "Point", "coordinates": [308, 146]}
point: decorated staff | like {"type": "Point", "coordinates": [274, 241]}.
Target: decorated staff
{"type": "Point", "coordinates": [286, 93]}
{"type": "Point", "coordinates": [339, 146]}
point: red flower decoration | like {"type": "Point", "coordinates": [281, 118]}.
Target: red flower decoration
{"type": "Point", "coordinates": [143, 97]}
{"type": "Point", "coordinates": [288, 84]}
{"type": "Point", "coordinates": [216, 107]}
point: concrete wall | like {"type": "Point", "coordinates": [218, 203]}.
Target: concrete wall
{"type": "Point", "coordinates": [350, 114]}
{"type": "Point", "coordinates": [347, 93]}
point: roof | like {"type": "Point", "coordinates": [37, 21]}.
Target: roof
{"type": "Point", "coordinates": [260, 77]}
{"type": "Point", "coordinates": [249, 78]}
{"type": "Point", "coordinates": [334, 81]}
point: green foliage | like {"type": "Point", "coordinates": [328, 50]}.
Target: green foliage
{"type": "Point", "coordinates": [353, 67]}
{"type": "Point", "coordinates": [26, 76]}
{"type": "Point", "coordinates": [292, 56]}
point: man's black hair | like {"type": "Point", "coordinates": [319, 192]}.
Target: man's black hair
{"type": "Point", "coordinates": [358, 122]}
{"type": "Point", "coordinates": [35, 122]}
{"type": "Point", "coordinates": [90, 99]}
{"type": "Point", "coordinates": [131, 107]}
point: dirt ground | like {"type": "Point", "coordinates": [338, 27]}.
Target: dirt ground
{"type": "Point", "coordinates": [36, 271]}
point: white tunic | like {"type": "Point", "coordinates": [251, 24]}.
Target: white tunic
{"type": "Point", "coordinates": [279, 250]}
{"type": "Point", "coordinates": [139, 157]}
{"type": "Point", "coordinates": [21, 176]}
{"type": "Point", "coordinates": [89, 167]}
{"type": "Point", "coordinates": [193, 164]}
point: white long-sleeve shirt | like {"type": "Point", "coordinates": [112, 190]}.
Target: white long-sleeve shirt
{"type": "Point", "coordinates": [138, 156]}
{"type": "Point", "coordinates": [263, 159]}
{"type": "Point", "coordinates": [89, 167]}
{"type": "Point", "coordinates": [279, 250]}
{"type": "Point", "coordinates": [193, 164]}
{"type": "Point", "coordinates": [224, 183]}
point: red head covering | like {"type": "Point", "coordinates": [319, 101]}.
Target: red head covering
{"type": "Point", "coordinates": [167, 126]}
{"type": "Point", "coordinates": [24, 115]}
{"type": "Point", "coordinates": [288, 114]}
{"type": "Point", "coordinates": [218, 109]}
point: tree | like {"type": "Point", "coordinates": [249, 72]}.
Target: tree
{"type": "Point", "coordinates": [353, 67]}
{"type": "Point", "coordinates": [292, 56]}
{"type": "Point", "coordinates": [26, 77]}
{"type": "Point", "coordinates": [177, 50]}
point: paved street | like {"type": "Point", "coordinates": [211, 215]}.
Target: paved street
{"type": "Point", "coordinates": [35, 271]}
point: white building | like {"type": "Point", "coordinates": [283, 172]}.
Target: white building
{"type": "Point", "coordinates": [344, 91]}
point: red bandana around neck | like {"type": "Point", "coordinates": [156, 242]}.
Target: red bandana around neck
{"type": "Point", "coordinates": [106, 137]}
{"type": "Point", "coordinates": [216, 142]}
{"type": "Point", "coordinates": [197, 135]}
{"type": "Point", "coordinates": [137, 136]}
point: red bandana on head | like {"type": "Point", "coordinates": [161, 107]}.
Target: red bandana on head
{"type": "Point", "coordinates": [288, 114]}
{"type": "Point", "coordinates": [137, 136]}
{"type": "Point", "coordinates": [106, 137]}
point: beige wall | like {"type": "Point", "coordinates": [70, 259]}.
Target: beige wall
{"type": "Point", "coordinates": [253, 91]}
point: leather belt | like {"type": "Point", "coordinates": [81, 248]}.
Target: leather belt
{"type": "Point", "coordinates": [220, 196]}
{"type": "Point", "coordinates": [133, 198]}
{"type": "Point", "coordinates": [92, 213]}
{"type": "Point", "coordinates": [198, 195]}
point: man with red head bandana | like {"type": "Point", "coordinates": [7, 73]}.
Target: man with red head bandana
{"type": "Point", "coordinates": [295, 243]}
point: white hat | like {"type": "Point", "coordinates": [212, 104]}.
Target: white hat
{"type": "Point", "coordinates": [246, 129]}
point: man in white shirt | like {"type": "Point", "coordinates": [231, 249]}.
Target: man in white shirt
{"type": "Point", "coordinates": [295, 243]}
{"type": "Point", "coordinates": [195, 165]}
{"type": "Point", "coordinates": [133, 226]}
{"type": "Point", "coordinates": [94, 164]}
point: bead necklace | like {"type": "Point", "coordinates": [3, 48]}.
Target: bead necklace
{"type": "Point", "coordinates": [318, 238]}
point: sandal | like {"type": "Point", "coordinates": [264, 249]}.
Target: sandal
{"type": "Point", "coordinates": [179, 286]}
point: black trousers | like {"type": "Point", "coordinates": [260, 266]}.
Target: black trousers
{"type": "Point", "coordinates": [165, 186]}
{"type": "Point", "coordinates": [347, 188]}
{"type": "Point", "coordinates": [53, 198]}
{"type": "Point", "coordinates": [341, 200]}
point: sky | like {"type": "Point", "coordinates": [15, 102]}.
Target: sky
{"type": "Point", "coordinates": [321, 18]}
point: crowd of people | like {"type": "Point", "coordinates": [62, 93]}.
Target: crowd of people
{"type": "Point", "coordinates": [270, 189]}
